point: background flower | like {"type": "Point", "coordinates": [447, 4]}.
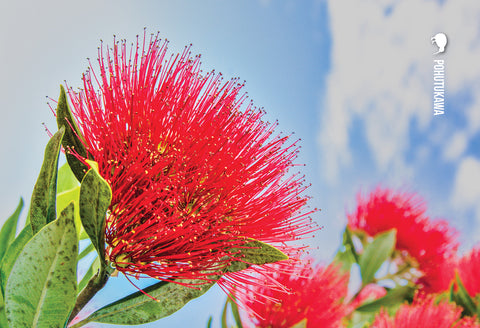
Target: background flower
{"type": "Point", "coordinates": [431, 243]}
{"type": "Point", "coordinates": [468, 269]}
{"type": "Point", "coordinates": [425, 313]}
{"type": "Point", "coordinates": [317, 293]}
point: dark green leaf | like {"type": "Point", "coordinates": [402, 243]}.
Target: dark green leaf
{"type": "Point", "coordinates": [394, 297]}
{"type": "Point", "coordinates": [12, 253]}
{"type": "Point", "coordinates": [375, 253]}
{"type": "Point", "coordinates": [451, 293]}
{"type": "Point", "coordinates": [42, 205]}
{"type": "Point", "coordinates": [42, 287]}
{"type": "Point", "coordinates": [9, 229]}
{"type": "Point", "coordinates": [255, 252]}
{"type": "Point", "coordinates": [95, 198]}
{"type": "Point", "coordinates": [72, 140]}
{"type": "Point", "coordinates": [209, 323]}
{"type": "Point", "coordinates": [139, 308]}
{"type": "Point", "coordinates": [463, 299]}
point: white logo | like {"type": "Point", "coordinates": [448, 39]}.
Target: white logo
{"type": "Point", "coordinates": [440, 39]}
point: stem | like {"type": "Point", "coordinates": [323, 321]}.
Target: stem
{"type": "Point", "coordinates": [93, 286]}
{"type": "Point", "coordinates": [388, 276]}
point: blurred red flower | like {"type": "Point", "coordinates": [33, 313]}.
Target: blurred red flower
{"type": "Point", "coordinates": [368, 293]}
{"type": "Point", "coordinates": [316, 293]}
{"type": "Point", "coordinates": [423, 312]}
{"type": "Point", "coordinates": [432, 243]}
{"type": "Point", "coordinates": [468, 270]}
{"type": "Point", "coordinates": [193, 172]}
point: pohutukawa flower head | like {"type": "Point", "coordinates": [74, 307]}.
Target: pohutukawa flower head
{"type": "Point", "coordinates": [468, 268]}
{"type": "Point", "coordinates": [194, 171]}
{"type": "Point", "coordinates": [424, 312]}
{"type": "Point", "coordinates": [316, 295]}
{"type": "Point", "coordinates": [430, 244]}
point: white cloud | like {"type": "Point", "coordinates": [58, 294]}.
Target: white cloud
{"type": "Point", "coordinates": [381, 75]}
{"type": "Point", "coordinates": [455, 147]}
{"type": "Point", "coordinates": [466, 191]}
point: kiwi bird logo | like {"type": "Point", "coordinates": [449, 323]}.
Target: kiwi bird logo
{"type": "Point", "coordinates": [440, 39]}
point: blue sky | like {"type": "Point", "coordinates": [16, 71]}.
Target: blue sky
{"type": "Point", "coordinates": [354, 82]}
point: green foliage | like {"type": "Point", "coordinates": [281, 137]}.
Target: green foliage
{"type": "Point", "coordinates": [12, 253]}
{"type": "Point", "coordinates": [72, 140]}
{"type": "Point", "coordinates": [375, 254]}
{"type": "Point", "coordinates": [66, 180]}
{"type": "Point", "coordinates": [230, 303]}
{"type": "Point", "coordinates": [463, 298]}
{"type": "Point", "coordinates": [348, 243]}
{"type": "Point", "coordinates": [255, 252]}
{"type": "Point", "coordinates": [301, 324]}
{"type": "Point", "coordinates": [42, 205]}
{"type": "Point", "coordinates": [394, 297]}
{"type": "Point", "coordinates": [346, 256]}
{"type": "Point", "coordinates": [9, 229]}
{"type": "Point", "coordinates": [236, 314]}
{"type": "Point", "coordinates": [41, 289]}
{"type": "Point", "coordinates": [65, 198]}
{"type": "Point", "coordinates": [68, 189]}
{"type": "Point", "coordinates": [95, 198]}
{"type": "Point", "coordinates": [93, 268]}
{"type": "Point", "coordinates": [139, 308]}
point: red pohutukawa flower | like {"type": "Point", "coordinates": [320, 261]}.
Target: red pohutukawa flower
{"type": "Point", "coordinates": [368, 293]}
{"type": "Point", "coordinates": [193, 172]}
{"type": "Point", "coordinates": [432, 243]}
{"type": "Point", "coordinates": [316, 294]}
{"type": "Point", "coordinates": [423, 312]}
{"type": "Point", "coordinates": [468, 269]}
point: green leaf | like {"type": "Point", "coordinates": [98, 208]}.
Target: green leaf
{"type": "Point", "coordinates": [377, 252]}
{"type": "Point", "coordinates": [72, 140]}
{"type": "Point", "coordinates": [301, 324]}
{"type": "Point", "coordinates": [394, 297]}
{"type": "Point", "coordinates": [9, 229]}
{"type": "Point", "coordinates": [42, 205]}
{"type": "Point", "coordinates": [86, 251]}
{"type": "Point", "coordinates": [65, 198]}
{"type": "Point", "coordinates": [462, 298]}
{"type": "Point", "coordinates": [345, 259]}
{"type": "Point", "coordinates": [95, 198]}
{"type": "Point", "coordinates": [139, 308]}
{"type": "Point", "coordinates": [224, 315]}
{"type": "Point", "coordinates": [94, 267]}
{"type": "Point", "coordinates": [255, 252]}
{"type": "Point", "coordinates": [66, 179]}
{"type": "Point", "coordinates": [361, 325]}
{"type": "Point", "coordinates": [236, 314]}
{"type": "Point", "coordinates": [209, 323]}
{"type": "Point", "coordinates": [348, 243]}
{"type": "Point", "coordinates": [3, 319]}
{"type": "Point", "coordinates": [42, 286]}
{"type": "Point", "coordinates": [12, 253]}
